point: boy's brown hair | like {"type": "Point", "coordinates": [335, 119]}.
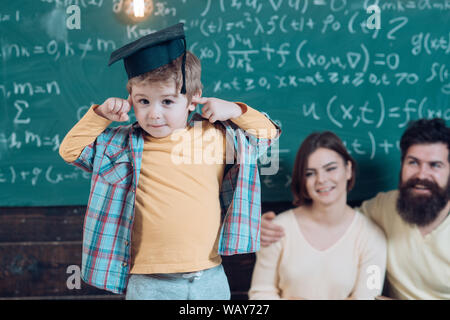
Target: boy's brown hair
{"type": "Point", "coordinates": [172, 71]}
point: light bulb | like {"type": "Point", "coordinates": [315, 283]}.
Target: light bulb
{"type": "Point", "coordinates": [134, 11]}
{"type": "Point", "coordinates": [139, 8]}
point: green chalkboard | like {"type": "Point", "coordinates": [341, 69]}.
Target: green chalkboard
{"type": "Point", "coordinates": [310, 64]}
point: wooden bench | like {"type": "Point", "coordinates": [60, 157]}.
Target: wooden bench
{"type": "Point", "coordinates": [38, 244]}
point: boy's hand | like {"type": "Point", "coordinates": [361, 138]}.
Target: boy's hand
{"type": "Point", "coordinates": [217, 110]}
{"type": "Point", "coordinates": [115, 109]}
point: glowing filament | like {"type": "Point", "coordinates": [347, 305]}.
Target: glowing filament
{"type": "Point", "coordinates": [139, 8]}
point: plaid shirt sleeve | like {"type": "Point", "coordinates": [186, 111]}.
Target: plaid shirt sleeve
{"type": "Point", "coordinates": [241, 194]}
{"type": "Point", "coordinates": [86, 159]}
{"type": "Point", "coordinates": [106, 255]}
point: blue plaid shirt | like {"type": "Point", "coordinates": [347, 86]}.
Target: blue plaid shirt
{"type": "Point", "coordinates": [114, 159]}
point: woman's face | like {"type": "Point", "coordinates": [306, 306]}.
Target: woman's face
{"type": "Point", "coordinates": [326, 177]}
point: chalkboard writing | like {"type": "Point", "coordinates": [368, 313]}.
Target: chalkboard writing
{"type": "Point", "coordinates": [310, 64]}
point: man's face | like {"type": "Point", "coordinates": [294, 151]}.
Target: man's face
{"type": "Point", "coordinates": [159, 108]}
{"type": "Point", "coordinates": [424, 185]}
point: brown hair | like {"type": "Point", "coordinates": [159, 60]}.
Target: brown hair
{"type": "Point", "coordinates": [314, 141]}
{"type": "Point", "coordinates": [172, 71]}
{"type": "Point", "coordinates": [425, 131]}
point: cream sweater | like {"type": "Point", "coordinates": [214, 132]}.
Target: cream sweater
{"type": "Point", "coordinates": [418, 267]}
{"type": "Point", "coordinates": [353, 267]}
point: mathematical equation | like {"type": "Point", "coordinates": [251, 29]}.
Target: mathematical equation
{"type": "Point", "coordinates": [372, 112]}
{"type": "Point", "coordinates": [366, 147]}
{"type": "Point", "coordinates": [29, 88]}
{"type": "Point", "coordinates": [57, 49]}
{"type": "Point", "coordinates": [255, 6]}
{"type": "Point", "coordinates": [36, 175]}
{"type": "Point", "coordinates": [82, 3]}
{"type": "Point", "coordinates": [303, 6]}
{"type": "Point", "coordinates": [439, 73]}
{"type": "Point", "coordinates": [17, 140]}
{"type": "Point", "coordinates": [16, 97]}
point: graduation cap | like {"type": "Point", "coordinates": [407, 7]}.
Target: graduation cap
{"type": "Point", "coordinates": [153, 51]}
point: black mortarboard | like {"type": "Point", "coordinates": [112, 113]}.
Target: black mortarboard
{"type": "Point", "coordinates": [153, 51]}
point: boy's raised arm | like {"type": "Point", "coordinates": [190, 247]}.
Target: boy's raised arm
{"type": "Point", "coordinates": [93, 123]}
{"type": "Point", "coordinates": [245, 117]}
{"type": "Point", "coordinates": [82, 134]}
{"type": "Point", "coordinates": [255, 123]}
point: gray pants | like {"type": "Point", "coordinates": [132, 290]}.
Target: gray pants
{"type": "Point", "coordinates": [208, 284]}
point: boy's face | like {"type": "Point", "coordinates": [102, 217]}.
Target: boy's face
{"type": "Point", "coordinates": [160, 108]}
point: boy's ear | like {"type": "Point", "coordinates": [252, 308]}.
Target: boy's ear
{"type": "Point", "coordinates": [191, 107]}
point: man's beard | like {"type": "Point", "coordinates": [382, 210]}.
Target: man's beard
{"type": "Point", "coordinates": [420, 209]}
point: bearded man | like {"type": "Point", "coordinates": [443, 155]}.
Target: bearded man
{"type": "Point", "coordinates": [415, 218]}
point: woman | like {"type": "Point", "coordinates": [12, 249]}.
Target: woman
{"type": "Point", "coordinates": [329, 250]}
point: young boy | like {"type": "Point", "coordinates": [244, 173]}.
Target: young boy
{"type": "Point", "coordinates": [160, 186]}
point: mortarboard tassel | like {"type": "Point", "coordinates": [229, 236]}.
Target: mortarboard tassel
{"type": "Point", "coordinates": [183, 69]}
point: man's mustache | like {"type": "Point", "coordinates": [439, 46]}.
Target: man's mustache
{"type": "Point", "coordinates": [413, 182]}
